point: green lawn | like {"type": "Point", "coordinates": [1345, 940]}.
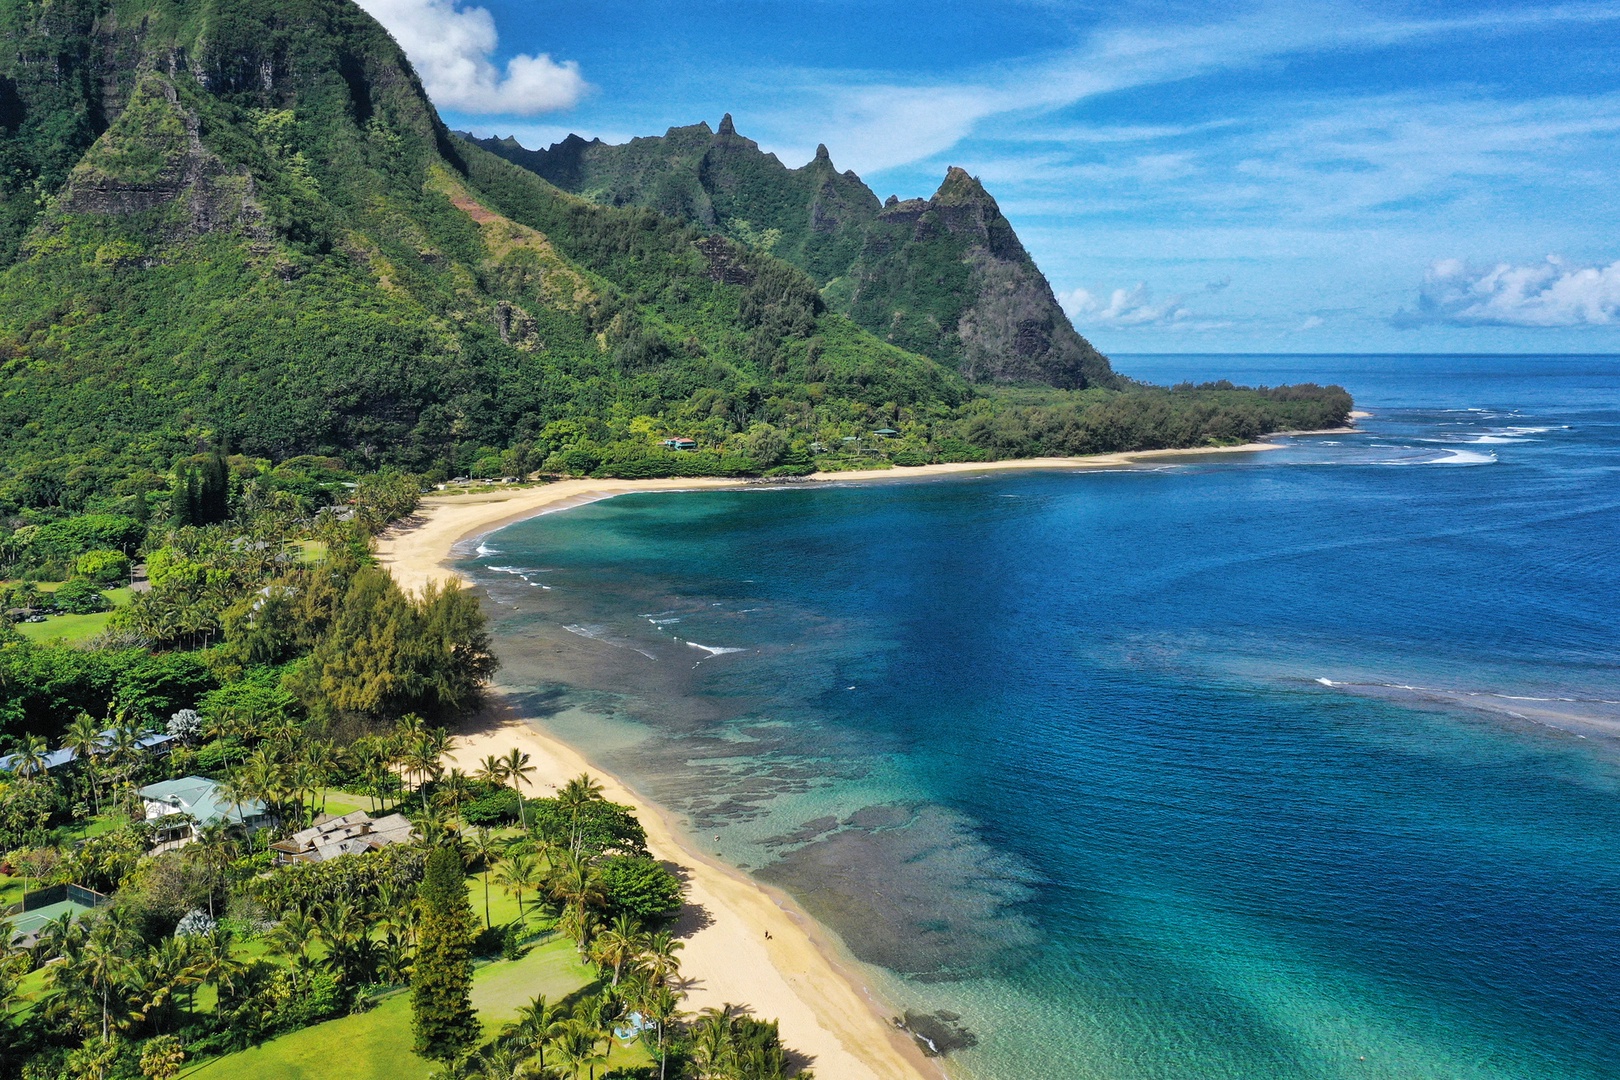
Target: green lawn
{"type": "Point", "coordinates": [11, 890]}
{"type": "Point", "coordinates": [339, 803]}
{"type": "Point", "coordinates": [376, 1045]}
{"type": "Point", "coordinates": [311, 552]}
{"type": "Point", "coordinates": [106, 822]}
{"type": "Point", "coordinates": [71, 629]}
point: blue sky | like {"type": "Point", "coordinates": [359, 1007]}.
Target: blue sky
{"type": "Point", "coordinates": [1303, 177]}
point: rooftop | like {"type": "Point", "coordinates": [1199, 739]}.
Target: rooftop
{"type": "Point", "coordinates": [202, 799]}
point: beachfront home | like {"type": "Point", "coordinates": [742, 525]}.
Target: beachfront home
{"type": "Point", "coordinates": [679, 444]}
{"type": "Point", "coordinates": [194, 803]}
{"type": "Point", "coordinates": [351, 834]}
{"type": "Point", "coordinates": [157, 743]}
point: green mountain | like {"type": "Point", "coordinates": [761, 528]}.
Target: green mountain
{"type": "Point", "coordinates": [243, 221]}
{"type": "Point", "coordinates": [946, 276]}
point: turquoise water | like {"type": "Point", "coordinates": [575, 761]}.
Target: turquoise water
{"type": "Point", "coordinates": [1295, 764]}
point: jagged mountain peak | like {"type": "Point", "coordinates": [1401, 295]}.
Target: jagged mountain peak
{"type": "Point", "coordinates": [959, 186]}
{"type": "Point", "coordinates": [255, 230]}
{"type": "Point", "coordinates": [945, 276]}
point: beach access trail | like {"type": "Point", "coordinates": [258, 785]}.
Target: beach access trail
{"type": "Point", "coordinates": [745, 944]}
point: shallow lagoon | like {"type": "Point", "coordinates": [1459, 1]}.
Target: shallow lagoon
{"type": "Point", "coordinates": [1298, 764]}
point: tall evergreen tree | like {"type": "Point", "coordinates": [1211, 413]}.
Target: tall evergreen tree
{"type": "Point", "coordinates": [441, 981]}
{"type": "Point", "coordinates": [183, 498]}
{"type": "Point", "coordinates": [214, 489]}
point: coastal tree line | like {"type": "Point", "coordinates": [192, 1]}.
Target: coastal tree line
{"type": "Point", "coordinates": [290, 670]}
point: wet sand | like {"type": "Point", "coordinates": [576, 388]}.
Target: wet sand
{"type": "Point", "coordinates": [745, 944]}
{"type": "Point", "coordinates": [798, 973]}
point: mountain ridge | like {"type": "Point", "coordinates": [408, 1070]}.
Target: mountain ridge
{"type": "Point", "coordinates": [242, 225]}
{"type": "Point", "coordinates": [945, 276]}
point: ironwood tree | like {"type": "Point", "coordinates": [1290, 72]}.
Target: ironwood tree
{"type": "Point", "coordinates": [443, 1019]}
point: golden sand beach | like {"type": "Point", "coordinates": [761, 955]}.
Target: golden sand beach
{"type": "Point", "coordinates": [752, 945]}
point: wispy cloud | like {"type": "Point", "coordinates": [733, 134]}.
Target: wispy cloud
{"type": "Point", "coordinates": [452, 48]}
{"type": "Point", "coordinates": [1550, 293]}
{"type": "Point", "coordinates": [1123, 308]}
{"type": "Point", "coordinates": [883, 124]}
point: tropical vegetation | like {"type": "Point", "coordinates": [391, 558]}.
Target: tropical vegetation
{"type": "Point", "coordinates": [276, 249]}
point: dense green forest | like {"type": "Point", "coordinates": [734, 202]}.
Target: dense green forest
{"type": "Point", "coordinates": [240, 223]}
{"type": "Point", "coordinates": [273, 661]}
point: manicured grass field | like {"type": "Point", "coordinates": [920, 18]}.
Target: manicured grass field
{"type": "Point", "coordinates": [71, 629]}
{"type": "Point", "coordinates": [376, 1045]}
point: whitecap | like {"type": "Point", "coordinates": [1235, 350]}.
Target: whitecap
{"type": "Point", "coordinates": [599, 633]}
{"type": "Point", "coordinates": [485, 551]}
{"type": "Point", "coordinates": [1327, 682]}
{"type": "Point", "coordinates": [714, 650]}
{"type": "Point", "coordinates": [1466, 457]}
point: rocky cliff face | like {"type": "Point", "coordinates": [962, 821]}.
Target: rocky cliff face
{"type": "Point", "coordinates": [948, 277]}
{"type": "Point", "coordinates": [945, 276]}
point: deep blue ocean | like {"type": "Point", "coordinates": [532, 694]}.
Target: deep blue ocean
{"type": "Point", "coordinates": [1295, 764]}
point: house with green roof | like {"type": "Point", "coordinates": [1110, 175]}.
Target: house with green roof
{"type": "Point", "coordinates": [194, 803]}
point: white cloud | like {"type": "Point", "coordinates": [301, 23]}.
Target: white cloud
{"type": "Point", "coordinates": [1551, 293]}
{"type": "Point", "coordinates": [1311, 322]}
{"type": "Point", "coordinates": [1123, 307]}
{"type": "Point", "coordinates": [882, 123]}
{"type": "Point", "coordinates": [451, 47]}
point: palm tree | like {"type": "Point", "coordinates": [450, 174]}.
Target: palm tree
{"type": "Point", "coordinates": [216, 847]}
{"type": "Point", "coordinates": [711, 1040]}
{"type": "Point", "coordinates": [454, 790]}
{"type": "Point", "coordinates": [121, 749]}
{"type": "Point", "coordinates": [264, 776]}
{"type": "Point", "coordinates": [324, 760]}
{"type": "Point", "coordinates": [222, 725]}
{"type": "Point", "coordinates": [578, 885]}
{"type": "Point", "coordinates": [84, 739]}
{"type": "Point", "coordinates": [491, 771]}
{"type": "Point", "coordinates": [500, 1063]}
{"type": "Point", "coordinates": [575, 795]}
{"type": "Point", "coordinates": [304, 779]}
{"type": "Point", "coordinates": [237, 789]}
{"type": "Point", "coordinates": [422, 760]}
{"type": "Point", "coordinates": [291, 938]}
{"type": "Point", "coordinates": [29, 761]}
{"type": "Point", "coordinates": [517, 768]}
{"type": "Point", "coordinates": [573, 1048]}
{"type": "Point", "coordinates": [101, 967]}
{"type": "Point", "coordinates": [660, 1006]}
{"type": "Point", "coordinates": [537, 1022]}
{"type": "Point", "coordinates": [617, 944]}
{"type": "Point", "coordinates": [516, 874]}
{"type": "Point", "coordinates": [663, 966]}
{"type": "Point", "coordinates": [211, 958]}
{"type": "Point", "coordinates": [485, 851]}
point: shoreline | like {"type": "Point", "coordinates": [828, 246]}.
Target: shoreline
{"type": "Point", "coordinates": [745, 942]}
{"type": "Point", "coordinates": [752, 944]}
{"type": "Point", "coordinates": [417, 551]}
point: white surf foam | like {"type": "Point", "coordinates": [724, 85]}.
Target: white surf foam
{"type": "Point", "coordinates": [714, 650]}
{"type": "Point", "coordinates": [1466, 457]}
